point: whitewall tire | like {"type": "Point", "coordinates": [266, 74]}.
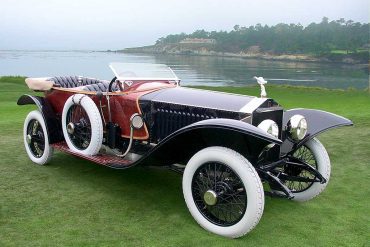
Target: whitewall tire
{"type": "Point", "coordinates": [316, 156]}
{"type": "Point", "coordinates": [82, 125]}
{"type": "Point", "coordinates": [223, 192]}
{"type": "Point", "coordinates": [36, 139]}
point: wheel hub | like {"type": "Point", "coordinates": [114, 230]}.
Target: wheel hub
{"type": "Point", "coordinates": [70, 128]}
{"type": "Point", "coordinates": [210, 197]}
{"type": "Point", "coordinates": [28, 139]}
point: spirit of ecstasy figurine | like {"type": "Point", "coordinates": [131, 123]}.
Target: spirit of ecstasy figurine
{"type": "Point", "coordinates": [261, 81]}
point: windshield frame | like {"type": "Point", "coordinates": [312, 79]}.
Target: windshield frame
{"type": "Point", "coordinates": [165, 73]}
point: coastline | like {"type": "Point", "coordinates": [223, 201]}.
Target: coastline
{"type": "Point", "coordinates": [175, 49]}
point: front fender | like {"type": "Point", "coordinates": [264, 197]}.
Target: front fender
{"type": "Point", "coordinates": [235, 125]}
{"type": "Point", "coordinates": [53, 127]}
{"type": "Point", "coordinates": [184, 143]}
{"type": "Point", "coordinates": [317, 121]}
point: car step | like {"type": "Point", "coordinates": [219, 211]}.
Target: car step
{"type": "Point", "coordinates": [101, 159]}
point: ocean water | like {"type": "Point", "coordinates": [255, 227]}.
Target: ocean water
{"type": "Point", "coordinates": [192, 70]}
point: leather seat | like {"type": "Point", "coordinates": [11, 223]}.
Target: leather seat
{"type": "Point", "coordinates": [84, 83]}
{"type": "Point", "coordinates": [73, 81]}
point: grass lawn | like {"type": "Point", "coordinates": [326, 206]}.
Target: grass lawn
{"type": "Point", "coordinates": [347, 52]}
{"type": "Point", "coordinates": [73, 202]}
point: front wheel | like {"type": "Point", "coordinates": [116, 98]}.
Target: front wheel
{"type": "Point", "coordinates": [314, 154]}
{"type": "Point", "coordinates": [223, 192]}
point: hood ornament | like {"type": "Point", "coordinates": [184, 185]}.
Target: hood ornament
{"type": "Point", "coordinates": [262, 83]}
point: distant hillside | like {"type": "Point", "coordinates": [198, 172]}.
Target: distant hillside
{"type": "Point", "coordinates": [334, 41]}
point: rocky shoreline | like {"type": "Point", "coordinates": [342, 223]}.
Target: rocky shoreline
{"type": "Point", "coordinates": [176, 49]}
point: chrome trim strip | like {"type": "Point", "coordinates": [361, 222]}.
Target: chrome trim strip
{"type": "Point", "coordinates": [252, 105]}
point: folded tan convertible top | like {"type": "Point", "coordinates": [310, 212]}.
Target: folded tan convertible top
{"type": "Point", "coordinates": [39, 84]}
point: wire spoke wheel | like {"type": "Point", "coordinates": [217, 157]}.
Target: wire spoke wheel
{"type": "Point", "coordinates": [302, 180]}
{"type": "Point", "coordinates": [78, 119]}
{"type": "Point", "coordinates": [223, 191]}
{"type": "Point", "coordinates": [35, 138]}
{"type": "Point", "coordinates": [82, 125]}
{"type": "Point", "coordinates": [227, 199]}
{"type": "Point", "coordinates": [306, 155]}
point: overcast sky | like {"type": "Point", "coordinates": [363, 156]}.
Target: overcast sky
{"type": "Point", "coordinates": [115, 24]}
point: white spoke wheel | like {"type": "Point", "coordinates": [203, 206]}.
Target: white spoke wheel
{"type": "Point", "coordinates": [223, 192]}
{"type": "Point", "coordinates": [36, 139]}
{"type": "Point", "coordinates": [82, 125]}
{"type": "Point", "coordinates": [313, 153]}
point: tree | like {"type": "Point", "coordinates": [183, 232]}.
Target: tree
{"type": "Point", "coordinates": [318, 38]}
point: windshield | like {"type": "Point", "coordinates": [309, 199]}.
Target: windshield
{"type": "Point", "coordinates": [143, 71]}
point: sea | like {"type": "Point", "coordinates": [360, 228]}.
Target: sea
{"type": "Point", "coordinates": [192, 70]}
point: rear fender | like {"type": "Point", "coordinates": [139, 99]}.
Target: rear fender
{"type": "Point", "coordinates": [53, 127]}
{"type": "Point", "coordinates": [317, 121]}
{"type": "Point", "coordinates": [181, 145]}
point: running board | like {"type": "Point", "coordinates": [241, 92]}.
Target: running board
{"type": "Point", "coordinates": [101, 159]}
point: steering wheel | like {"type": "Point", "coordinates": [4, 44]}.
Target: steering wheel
{"type": "Point", "coordinates": [114, 80]}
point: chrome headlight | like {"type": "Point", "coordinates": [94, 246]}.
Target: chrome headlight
{"type": "Point", "coordinates": [270, 127]}
{"type": "Point", "coordinates": [297, 127]}
{"type": "Point", "coordinates": [137, 121]}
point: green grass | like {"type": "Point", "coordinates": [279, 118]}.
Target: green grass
{"type": "Point", "coordinates": [73, 202]}
{"type": "Point", "coordinates": [347, 52]}
{"type": "Point", "coordinates": [339, 51]}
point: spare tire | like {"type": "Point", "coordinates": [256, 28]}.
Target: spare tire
{"type": "Point", "coordinates": [82, 125]}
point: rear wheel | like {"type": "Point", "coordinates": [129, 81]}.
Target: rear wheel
{"type": "Point", "coordinates": [36, 140]}
{"type": "Point", "coordinates": [82, 125]}
{"type": "Point", "coordinates": [223, 192]}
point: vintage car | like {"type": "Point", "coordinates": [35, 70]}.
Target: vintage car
{"type": "Point", "coordinates": [231, 149]}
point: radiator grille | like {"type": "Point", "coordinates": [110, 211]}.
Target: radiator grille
{"type": "Point", "coordinates": [162, 118]}
{"type": "Point", "coordinates": [168, 121]}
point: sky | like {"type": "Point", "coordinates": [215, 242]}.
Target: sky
{"type": "Point", "coordinates": [116, 24]}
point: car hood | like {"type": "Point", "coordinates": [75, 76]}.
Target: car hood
{"type": "Point", "coordinates": [205, 99]}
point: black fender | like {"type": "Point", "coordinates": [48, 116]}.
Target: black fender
{"type": "Point", "coordinates": [53, 126]}
{"type": "Point", "coordinates": [317, 122]}
{"type": "Point", "coordinates": [181, 145]}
